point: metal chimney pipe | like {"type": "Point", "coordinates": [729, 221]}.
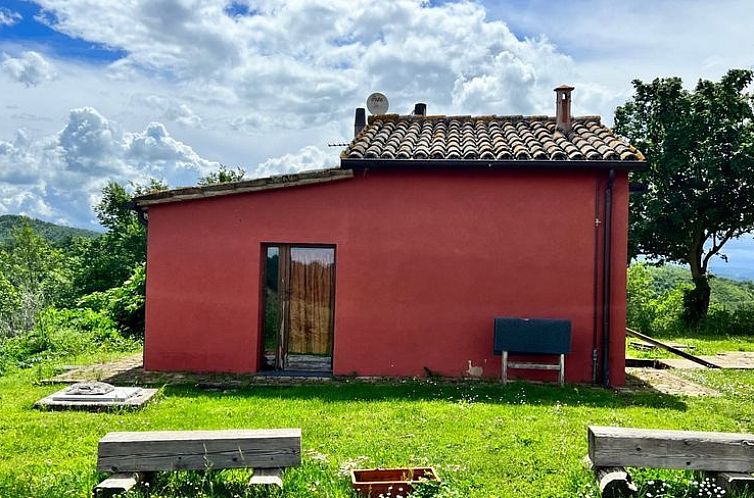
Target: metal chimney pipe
{"type": "Point", "coordinates": [359, 120]}
{"type": "Point", "coordinates": [563, 108]}
{"type": "Point", "coordinates": [420, 109]}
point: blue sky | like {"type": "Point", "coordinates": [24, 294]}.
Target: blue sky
{"type": "Point", "coordinates": [93, 91]}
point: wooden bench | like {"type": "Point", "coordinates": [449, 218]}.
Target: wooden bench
{"type": "Point", "coordinates": [532, 337]}
{"type": "Point", "coordinates": [729, 456]}
{"type": "Point", "coordinates": [131, 456]}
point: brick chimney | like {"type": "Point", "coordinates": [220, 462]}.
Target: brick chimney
{"type": "Point", "coordinates": [563, 108]}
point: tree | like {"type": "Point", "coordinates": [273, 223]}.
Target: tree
{"type": "Point", "coordinates": [700, 152]}
{"type": "Point", "coordinates": [223, 175]}
{"type": "Point", "coordinates": [109, 260]}
{"type": "Point", "coordinates": [34, 275]}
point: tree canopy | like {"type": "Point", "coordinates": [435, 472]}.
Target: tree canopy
{"type": "Point", "coordinates": [699, 146]}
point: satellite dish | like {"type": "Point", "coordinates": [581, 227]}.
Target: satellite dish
{"type": "Point", "coordinates": [377, 103]}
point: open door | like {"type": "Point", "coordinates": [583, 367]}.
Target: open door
{"type": "Point", "coordinates": [298, 307]}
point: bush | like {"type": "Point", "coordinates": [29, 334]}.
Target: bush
{"type": "Point", "coordinates": [60, 333]}
{"type": "Point", "coordinates": [124, 304]}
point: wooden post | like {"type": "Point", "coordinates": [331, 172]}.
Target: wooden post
{"type": "Point", "coordinates": [614, 482]}
{"type": "Point", "coordinates": [505, 367]}
{"type": "Point", "coordinates": [561, 374]}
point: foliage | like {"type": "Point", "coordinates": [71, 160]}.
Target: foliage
{"type": "Point", "coordinates": [34, 275]}
{"type": "Point", "coordinates": [58, 235]}
{"type": "Point", "coordinates": [123, 304]}
{"type": "Point", "coordinates": [700, 151]}
{"type": "Point", "coordinates": [108, 260]}
{"type": "Point", "coordinates": [223, 175]}
{"type": "Point", "coordinates": [63, 332]}
{"type": "Point", "coordinates": [656, 303]}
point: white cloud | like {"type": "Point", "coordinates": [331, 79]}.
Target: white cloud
{"type": "Point", "coordinates": [299, 62]}
{"type": "Point", "coordinates": [171, 110]}
{"type": "Point", "coordinates": [9, 17]}
{"type": "Point", "coordinates": [306, 159]}
{"type": "Point", "coordinates": [58, 176]}
{"type": "Point", "coordinates": [30, 68]}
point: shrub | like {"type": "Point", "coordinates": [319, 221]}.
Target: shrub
{"type": "Point", "coordinates": [60, 333]}
{"type": "Point", "coordinates": [124, 304]}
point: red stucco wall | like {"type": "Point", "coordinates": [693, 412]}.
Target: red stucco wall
{"type": "Point", "coordinates": [425, 260]}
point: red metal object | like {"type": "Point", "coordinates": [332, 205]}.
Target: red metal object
{"type": "Point", "coordinates": [375, 483]}
{"type": "Point", "coordinates": [425, 261]}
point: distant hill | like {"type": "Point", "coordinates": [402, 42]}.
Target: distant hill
{"type": "Point", "coordinates": [56, 234]}
{"type": "Point", "coordinates": [728, 292]}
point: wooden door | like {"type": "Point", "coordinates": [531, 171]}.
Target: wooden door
{"type": "Point", "coordinates": [298, 307]}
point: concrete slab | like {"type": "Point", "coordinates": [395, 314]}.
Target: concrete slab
{"type": "Point", "coordinates": [61, 401]}
{"type": "Point", "coordinates": [663, 381]}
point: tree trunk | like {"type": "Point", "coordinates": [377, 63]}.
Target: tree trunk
{"type": "Point", "coordinates": [696, 300]}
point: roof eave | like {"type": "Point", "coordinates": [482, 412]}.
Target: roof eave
{"type": "Point", "coordinates": [520, 164]}
{"type": "Point", "coordinates": [258, 184]}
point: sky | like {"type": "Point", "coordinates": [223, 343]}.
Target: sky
{"type": "Point", "coordinates": [94, 90]}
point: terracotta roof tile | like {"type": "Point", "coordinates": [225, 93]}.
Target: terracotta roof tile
{"type": "Point", "coordinates": [488, 137]}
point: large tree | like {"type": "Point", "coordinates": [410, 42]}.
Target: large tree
{"type": "Point", "coordinates": [700, 152]}
{"type": "Point", "coordinates": [108, 260]}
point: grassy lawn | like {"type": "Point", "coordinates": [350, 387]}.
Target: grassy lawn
{"type": "Point", "coordinates": [485, 440]}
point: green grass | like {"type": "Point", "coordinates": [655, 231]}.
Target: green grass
{"type": "Point", "coordinates": [485, 440]}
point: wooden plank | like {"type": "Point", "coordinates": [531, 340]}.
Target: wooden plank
{"type": "Point", "coordinates": [614, 482]}
{"type": "Point", "coordinates": [663, 449]}
{"type": "Point", "coordinates": [534, 366]}
{"type": "Point", "coordinates": [673, 350]}
{"type": "Point", "coordinates": [199, 450]}
{"type": "Point", "coordinates": [267, 477]}
{"type": "Point", "coordinates": [116, 484]}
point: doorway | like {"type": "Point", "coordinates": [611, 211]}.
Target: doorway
{"type": "Point", "coordinates": [298, 307]}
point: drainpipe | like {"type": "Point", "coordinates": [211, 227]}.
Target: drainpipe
{"type": "Point", "coordinates": [596, 285]}
{"type": "Point", "coordinates": [606, 274]}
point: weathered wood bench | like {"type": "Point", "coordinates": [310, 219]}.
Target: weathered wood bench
{"type": "Point", "coordinates": [131, 456]}
{"type": "Point", "coordinates": [729, 456]}
{"type": "Point", "coordinates": [525, 336]}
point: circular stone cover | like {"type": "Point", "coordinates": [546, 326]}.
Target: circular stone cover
{"type": "Point", "coordinates": [90, 388]}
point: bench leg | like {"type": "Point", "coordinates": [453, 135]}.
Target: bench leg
{"type": "Point", "coordinates": [561, 373]}
{"type": "Point", "coordinates": [267, 477]}
{"type": "Point", "coordinates": [504, 362]}
{"type": "Point", "coordinates": [117, 484]}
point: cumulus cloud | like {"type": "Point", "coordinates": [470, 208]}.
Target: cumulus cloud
{"type": "Point", "coordinates": [306, 159]}
{"type": "Point", "coordinates": [59, 176]}
{"type": "Point", "coordinates": [9, 17]}
{"type": "Point", "coordinates": [30, 68]}
{"type": "Point", "coordinates": [171, 110]}
{"type": "Point", "coordinates": [298, 62]}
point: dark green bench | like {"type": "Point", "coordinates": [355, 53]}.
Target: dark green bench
{"type": "Point", "coordinates": [528, 336]}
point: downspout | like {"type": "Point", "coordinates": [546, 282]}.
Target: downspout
{"type": "Point", "coordinates": [606, 274]}
{"type": "Point", "coordinates": [595, 285]}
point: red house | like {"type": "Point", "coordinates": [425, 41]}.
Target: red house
{"type": "Point", "coordinates": [397, 262]}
